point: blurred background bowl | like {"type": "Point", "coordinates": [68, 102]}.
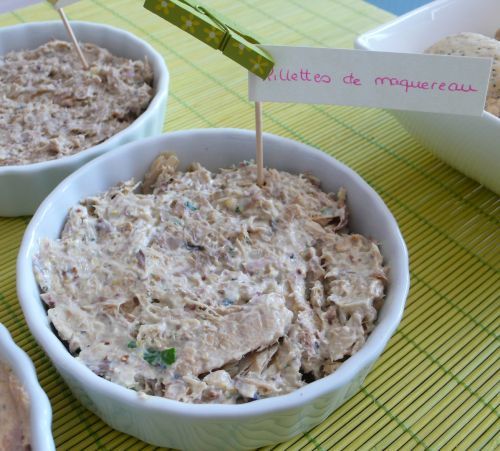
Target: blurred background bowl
{"type": "Point", "coordinates": [469, 144]}
{"type": "Point", "coordinates": [23, 187]}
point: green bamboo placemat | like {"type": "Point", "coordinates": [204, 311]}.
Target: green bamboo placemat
{"type": "Point", "coordinates": [435, 386]}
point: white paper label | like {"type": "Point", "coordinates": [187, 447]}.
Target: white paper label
{"type": "Point", "coordinates": [400, 81]}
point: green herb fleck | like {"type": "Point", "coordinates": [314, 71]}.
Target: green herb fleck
{"type": "Point", "coordinates": [190, 205]}
{"type": "Point", "coordinates": [132, 344]}
{"type": "Point", "coordinates": [159, 358]}
{"type": "Point", "coordinates": [238, 209]}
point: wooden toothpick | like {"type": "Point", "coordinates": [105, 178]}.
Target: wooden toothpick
{"type": "Point", "coordinates": [258, 144]}
{"type": "Point", "coordinates": [73, 38]}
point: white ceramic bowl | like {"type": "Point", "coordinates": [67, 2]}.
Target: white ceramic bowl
{"type": "Point", "coordinates": [23, 187]}
{"type": "Point", "coordinates": [470, 144]}
{"type": "Point", "coordinates": [165, 422]}
{"type": "Point", "coordinates": [40, 413]}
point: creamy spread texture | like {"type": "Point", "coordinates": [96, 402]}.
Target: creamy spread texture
{"type": "Point", "coordinates": [207, 288]}
{"type": "Point", "coordinates": [14, 413]}
{"type": "Point", "coordinates": [474, 44]}
{"type": "Point", "coordinates": [51, 107]}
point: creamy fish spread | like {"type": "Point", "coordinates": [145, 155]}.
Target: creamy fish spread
{"type": "Point", "coordinates": [51, 107]}
{"type": "Point", "coordinates": [474, 44]}
{"type": "Point", "coordinates": [14, 412]}
{"type": "Point", "coordinates": [207, 288]}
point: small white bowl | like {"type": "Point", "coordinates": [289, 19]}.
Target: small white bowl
{"type": "Point", "coordinates": [469, 144]}
{"type": "Point", "coordinates": [23, 187]}
{"type": "Point", "coordinates": [40, 412]}
{"type": "Point", "coordinates": [164, 422]}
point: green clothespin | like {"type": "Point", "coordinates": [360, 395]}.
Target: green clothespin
{"type": "Point", "coordinates": [216, 31]}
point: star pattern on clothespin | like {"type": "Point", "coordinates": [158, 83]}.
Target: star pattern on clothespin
{"type": "Point", "coordinates": [216, 31]}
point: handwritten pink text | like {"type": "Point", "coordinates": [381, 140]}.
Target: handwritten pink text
{"type": "Point", "coordinates": [301, 75]}
{"type": "Point", "coordinates": [424, 85]}
{"type": "Point", "coordinates": [352, 80]}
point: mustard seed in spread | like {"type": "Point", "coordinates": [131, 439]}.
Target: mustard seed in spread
{"type": "Point", "coordinates": [14, 412]}
{"type": "Point", "coordinates": [207, 288]}
{"type": "Point", "coordinates": [51, 107]}
{"type": "Point", "coordinates": [474, 44]}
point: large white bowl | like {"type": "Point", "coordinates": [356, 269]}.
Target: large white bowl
{"type": "Point", "coordinates": [40, 411]}
{"type": "Point", "coordinates": [23, 187]}
{"type": "Point", "coordinates": [165, 422]}
{"type": "Point", "coordinates": [469, 144]}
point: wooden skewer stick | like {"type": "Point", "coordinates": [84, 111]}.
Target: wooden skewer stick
{"type": "Point", "coordinates": [259, 145]}
{"type": "Point", "coordinates": [73, 38]}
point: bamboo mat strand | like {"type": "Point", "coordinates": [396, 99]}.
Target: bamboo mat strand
{"type": "Point", "coordinates": [436, 385]}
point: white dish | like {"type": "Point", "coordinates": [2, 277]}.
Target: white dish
{"type": "Point", "coordinates": [470, 144]}
{"type": "Point", "coordinates": [164, 422]}
{"type": "Point", "coordinates": [40, 411]}
{"type": "Point", "coordinates": [23, 187]}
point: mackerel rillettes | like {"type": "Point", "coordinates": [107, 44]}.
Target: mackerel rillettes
{"type": "Point", "coordinates": [14, 412]}
{"type": "Point", "coordinates": [51, 107]}
{"type": "Point", "coordinates": [475, 44]}
{"type": "Point", "coordinates": [207, 288]}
